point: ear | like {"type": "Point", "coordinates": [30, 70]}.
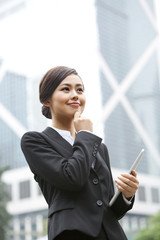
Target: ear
{"type": "Point", "coordinates": [47, 103]}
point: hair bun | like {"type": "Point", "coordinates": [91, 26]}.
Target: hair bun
{"type": "Point", "coordinates": [46, 112]}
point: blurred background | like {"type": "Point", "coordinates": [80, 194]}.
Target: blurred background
{"type": "Point", "coordinates": [115, 47]}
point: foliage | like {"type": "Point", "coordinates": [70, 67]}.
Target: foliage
{"type": "Point", "coordinates": [4, 216]}
{"type": "Point", "coordinates": [152, 231]}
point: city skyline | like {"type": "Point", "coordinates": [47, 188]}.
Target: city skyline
{"type": "Point", "coordinates": [40, 34]}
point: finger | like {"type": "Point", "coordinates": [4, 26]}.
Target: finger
{"type": "Point", "coordinates": [126, 189]}
{"type": "Point", "coordinates": [126, 186]}
{"type": "Point", "coordinates": [126, 193]}
{"type": "Point", "coordinates": [125, 183]}
{"type": "Point", "coordinates": [77, 115]}
{"type": "Point", "coordinates": [130, 182]}
{"type": "Point", "coordinates": [134, 173]}
{"type": "Point", "coordinates": [130, 177]}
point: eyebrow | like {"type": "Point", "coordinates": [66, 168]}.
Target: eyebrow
{"type": "Point", "coordinates": [67, 84]}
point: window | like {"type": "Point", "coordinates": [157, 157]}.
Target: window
{"type": "Point", "coordinates": [134, 223]}
{"type": "Point", "coordinates": [142, 194]}
{"type": "Point", "coordinates": [22, 227]}
{"type": "Point", "coordinates": [142, 223]}
{"type": "Point", "coordinates": [24, 189]}
{"type": "Point", "coordinates": [11, 237]}
{"type": "Point", "coordinates": [155, 195]}
{"type": "Point", "coordinates": [8, 188]}
{"type": "Point", "coordinates": [34, 226]}
{"type": "Point", "coordinates": [22, 237]}
{"type": "Point", "coordinates": [125, 223]}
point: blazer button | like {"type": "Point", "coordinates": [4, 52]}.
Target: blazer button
{"type": "Point", "coordinates": [99, 203]}
{"type": "Point", "coordinates": [95, 181]}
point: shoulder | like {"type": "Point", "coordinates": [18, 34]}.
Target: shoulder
{"type": "Point", "coordinates": [30, 138]}
{"type": "Point", "coordinates": [30, 135]}
{"type": "Point", "coordinates": [42, 138]}
{"type": "Point", "coordinates": [37, 135]}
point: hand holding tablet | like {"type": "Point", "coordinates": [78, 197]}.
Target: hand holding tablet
{"type": "Point", "coordinates": [133, 167]}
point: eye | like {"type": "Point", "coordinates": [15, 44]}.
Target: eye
{"type": "Point", "coordinates": [80, 90]}
{"type": "Point", "coordinates": [65, 89]}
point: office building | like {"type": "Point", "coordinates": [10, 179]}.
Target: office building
{"type": "Point", "coordinates": [130, 89]}
{"type": "Point", "coordinates": [13, 120]}
{"type": "Point", "coordinates": [19, 111]}
{"type": "Point", "coordinates": [129, 76]}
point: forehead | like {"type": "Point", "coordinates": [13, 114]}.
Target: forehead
{"type": "Point", "coordinates": [72, 80]}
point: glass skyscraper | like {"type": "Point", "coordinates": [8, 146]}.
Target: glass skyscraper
{"type": "Point", "coordinates": [19, 111]}
{"type": "Point", "coordinates": [130, 86]}
{"type": "Point", "coordinates": [130, 91]}
{"type": "Point", "coordinates": [13, 101]}
{"type": "Point", "coordinates": [129, 83]}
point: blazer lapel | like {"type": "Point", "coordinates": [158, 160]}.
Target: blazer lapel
{"type": "Point", "coordinates": [54, 138]}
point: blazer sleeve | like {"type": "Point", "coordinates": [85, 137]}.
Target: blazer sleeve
{"type": "Point", "coordinates": [119, 207]}
{"type": "Point", "coordinates": [67, 173]}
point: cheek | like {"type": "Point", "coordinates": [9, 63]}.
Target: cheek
{"type": "Point", "coordinates": [83, 101]}
{"type": "Point", "coordinates": [59, 98]}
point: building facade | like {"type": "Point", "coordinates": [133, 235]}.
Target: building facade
{"type": "Point", "coordinates": [13, 118]}
{"type": "Point", "coordinates": [130, 86]}
{"type": "Point", "coordinates": [20, 110]}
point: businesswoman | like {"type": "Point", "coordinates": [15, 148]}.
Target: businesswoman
{"type": "Point", "coordinates": [71, 165]}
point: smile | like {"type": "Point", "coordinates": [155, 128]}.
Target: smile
{"type": "Point", "coordinates": [76, 105]}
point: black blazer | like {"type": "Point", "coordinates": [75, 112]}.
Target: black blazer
{"type": "Point", "coordinates": [77, 194]}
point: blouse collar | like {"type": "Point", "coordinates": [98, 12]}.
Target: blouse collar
{"type": "Point", "coordinates": [65, 134]}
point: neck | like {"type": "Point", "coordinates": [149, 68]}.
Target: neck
{"type": "Point", "coordinates": [64, 125]}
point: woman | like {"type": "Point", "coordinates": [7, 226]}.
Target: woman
{"type": "Point", "coordinates": [71, 165]}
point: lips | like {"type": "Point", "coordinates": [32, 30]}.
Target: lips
{"type": "Point", "coordinates": [74, 104]}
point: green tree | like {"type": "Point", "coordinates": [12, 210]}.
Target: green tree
{"type": "Point", "coordinates": [4, 216]}
{"type": "Point", "coordinates": [152, 231]}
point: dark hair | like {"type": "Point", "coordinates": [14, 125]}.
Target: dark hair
{"type": "Point", "coordinates": [50, 82]}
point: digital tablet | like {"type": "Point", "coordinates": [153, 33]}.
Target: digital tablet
{"type": "Point", "coordinates": [133, 167]}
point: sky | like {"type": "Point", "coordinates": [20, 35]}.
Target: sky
{"type": "Point", "coordinates": [47, 33]}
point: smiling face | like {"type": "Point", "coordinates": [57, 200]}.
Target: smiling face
{"type": "Point", "coordinates": [68, 98]}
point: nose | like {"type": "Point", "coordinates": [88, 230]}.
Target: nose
{"type": "Point", "coordinates": [74, 95]}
